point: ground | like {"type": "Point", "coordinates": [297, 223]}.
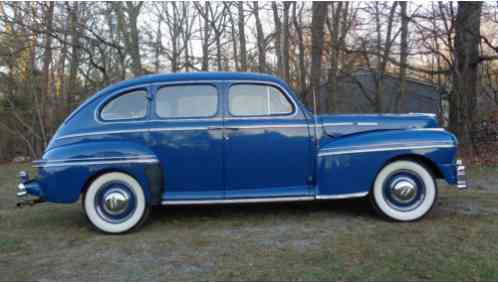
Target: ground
{"type": "Point", "coordinates": [331, 240]}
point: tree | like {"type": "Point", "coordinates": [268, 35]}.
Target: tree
{"type": "Point", "coordinates": [318, 20]}
{"type": "Point", "coordinates": [465, 74]}
{"type": "Point", "coordinates": [128, 13]}
{"type": "Point", "coordinates": [403, 56]}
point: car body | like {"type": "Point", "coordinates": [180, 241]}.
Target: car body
{"type": "Point", "coordinates": [203, 138]}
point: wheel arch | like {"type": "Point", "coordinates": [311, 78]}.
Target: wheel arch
{"type": "Point", "coordinates": [421, 159]}
{"type": "Point", "coordinates": [150, 178]}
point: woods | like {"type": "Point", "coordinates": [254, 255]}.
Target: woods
{"type": "Point", "coordinates": [54, 55]}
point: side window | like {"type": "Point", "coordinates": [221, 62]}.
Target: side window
{"type": "Point", "coordinates": [257, 100]}
{"type": "Point", "coordinates": [131, 105]}
{"type": "Point", "coordinates": [186, 101]}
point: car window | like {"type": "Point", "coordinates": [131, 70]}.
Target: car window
{"type": "Point", "coordinates": [186, 101]}
{"type": "Point", "coordinates": [257, 100]}
{"type": "Point", "coordinates": [131, 105]}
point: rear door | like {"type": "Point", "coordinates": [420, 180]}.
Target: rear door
{"type": "Point", "coordinates": [186, 134]}
{"type": "Point", "coordinates": [267, 143]}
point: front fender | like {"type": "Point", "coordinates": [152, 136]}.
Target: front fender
{"type": "Point", "coordinates": [65, 171]}
{"type": "Point", "coordinates": [350, 164]}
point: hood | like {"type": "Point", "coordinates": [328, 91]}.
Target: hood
{"type": "Point", "coordinates": [340, 125]}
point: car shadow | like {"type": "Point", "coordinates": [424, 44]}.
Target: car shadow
{"type": "Point", "coordinates": [346, 208]}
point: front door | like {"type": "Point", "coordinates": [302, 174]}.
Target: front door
{"type": "Point", "coordinates": [186, 134]}
{"type": "Point", "coordinates": [267, 143]}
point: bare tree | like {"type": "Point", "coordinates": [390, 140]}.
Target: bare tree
{"type": "Point", "coordinates": [466, 73]}
{"type": "Point", "coordinates": [317, 25]}
{"type": "Point", "coordinates": [127, 14]}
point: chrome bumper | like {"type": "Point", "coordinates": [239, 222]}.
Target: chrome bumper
{"type": "Point", "coordinates": [23, 195]}
{"type": "Point", "coordinates": [460, 173]}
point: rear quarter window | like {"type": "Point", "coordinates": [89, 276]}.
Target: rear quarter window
{"type": "Point", "coordinates": [130, 105]}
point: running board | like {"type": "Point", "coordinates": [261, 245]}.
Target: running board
{"type": "Point", "coordinates": [263, 200]}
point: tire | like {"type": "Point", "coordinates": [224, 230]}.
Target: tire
{"type": "Point", "coordinates": [404, 191]}
{"type": "Point", "coordinates": [115, 203]}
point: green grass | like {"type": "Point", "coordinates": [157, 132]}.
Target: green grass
{"type": "Point", "coordinates": [333, 240]}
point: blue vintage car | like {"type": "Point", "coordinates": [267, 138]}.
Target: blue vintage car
{"type": "Point", "coordinates": [215, 138]}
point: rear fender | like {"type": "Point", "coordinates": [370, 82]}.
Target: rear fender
{"type": "Point", "coordinates": [66, 171]}
{"type": "Point", "coordinates": [349, 165]}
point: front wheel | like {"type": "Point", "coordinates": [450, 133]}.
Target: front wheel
{"type": "Point", "coordinates": [115, 203]}
{"type": "Point", "coordinates": [404, 191]}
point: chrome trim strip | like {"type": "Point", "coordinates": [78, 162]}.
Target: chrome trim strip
{"type": "Point", "coordinates": [101, 133]}
{"type": "Point", "coordinates": [177, 129]}
{"type": "Point", "coordinates": [367, 124]}
{"type": "Point", "coordinates": [241, 200]}
{"type": "Point", "coordinates": [343, 196]}
{"type": "Point", "coordinates": [94, 158]}
{"type": "Point", "coordinates": [162, 129]}
{"type": "Point", "coordinates": [384, 149]}
{"type": "Point", "coordinates": [146, 161]}
{"type": "Point", "coordinates": [354, 147]}
{"type": "Point", "coordinates": [336, 124]}
{"type": "Point", "coordinates": [268, 126]}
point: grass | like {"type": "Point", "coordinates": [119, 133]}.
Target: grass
{"type": "Point", "coordinates": [332, 240]}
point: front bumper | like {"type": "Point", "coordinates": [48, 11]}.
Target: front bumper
{"type": "Point", "coordinates": [460, 174]}
{"type": "Point", "coordinates": [29, 192]}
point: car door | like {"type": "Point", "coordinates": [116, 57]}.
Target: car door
{"type": "Point", "coordinates": [184, 137]}
{"type": "Point", "coordinates": [267, 143]}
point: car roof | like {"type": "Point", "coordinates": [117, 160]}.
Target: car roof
{"type": "Point", "coordinates": [178, 77]}
{"type": "Point", "coordinates": [194, 76]}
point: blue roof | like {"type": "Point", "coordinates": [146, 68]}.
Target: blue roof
{"type": "Point", "coordinates": [194, 76]}
{"type": "Point", "coordinates": [172, 77]}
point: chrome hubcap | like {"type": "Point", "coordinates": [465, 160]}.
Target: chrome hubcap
{"type": "Point", "coordinates": [403, 189]}
{"type": "Point", "coordinates": [116, 201]}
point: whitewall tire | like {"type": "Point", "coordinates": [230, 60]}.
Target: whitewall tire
{"type": "Point", "coordinates": [404, 191]}
{"type": "Point", "coordinates": [115, 203]}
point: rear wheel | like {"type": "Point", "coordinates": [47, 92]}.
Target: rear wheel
{"type": "Point", "coordinates": [115, 203]}
{"type": "Point", "coordinates": [404, 191]}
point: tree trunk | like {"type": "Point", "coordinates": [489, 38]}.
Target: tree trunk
{"type": "Point", "coordinates": [278, 38]}
{"type": "Point", "coordinates": [260, 38]}
{"type": "Point", "coordinates": [465, 75]}
{"type": "Point", "coordinates": [300, 40]}
{"type": "Point", "coordinates": [317, 23]}
{"type": "Point", "coordinates": [334, 55]}
{"type": "Point", "coordinates": [242, 37]}
{"type": "Point", "coordinates": [403, 56]}
{"type": "Point", "coordinates": [285, 43]}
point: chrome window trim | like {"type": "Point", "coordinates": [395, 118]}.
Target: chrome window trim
{"type": "Point", "coordinates": [215, 115]}
{"type": "Point", "coordinates": [87, 163]}
{"type": "Point", "coordinates": [143, 85]}
{"type": "Point", "coordinates": [100, 107]}
{"type": "Point", "coordinates": [412, 147]}
{"type": "Point", "coordinates": [278, 86]}
{"type": "Point", "coordinates": [159, 84]}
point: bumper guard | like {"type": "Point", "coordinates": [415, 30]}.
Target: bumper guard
{"type": "Point", "coordinates": [23, 194]}
{"type": "Point", "coordinates": [461, 178]}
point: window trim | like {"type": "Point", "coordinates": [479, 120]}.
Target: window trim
{"type": "Point", "coordinates": [159, 87]}
{"type": "Point", "coordinates": [108, 100]}
{"type": "Point", "coordinates": [283, 92]}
